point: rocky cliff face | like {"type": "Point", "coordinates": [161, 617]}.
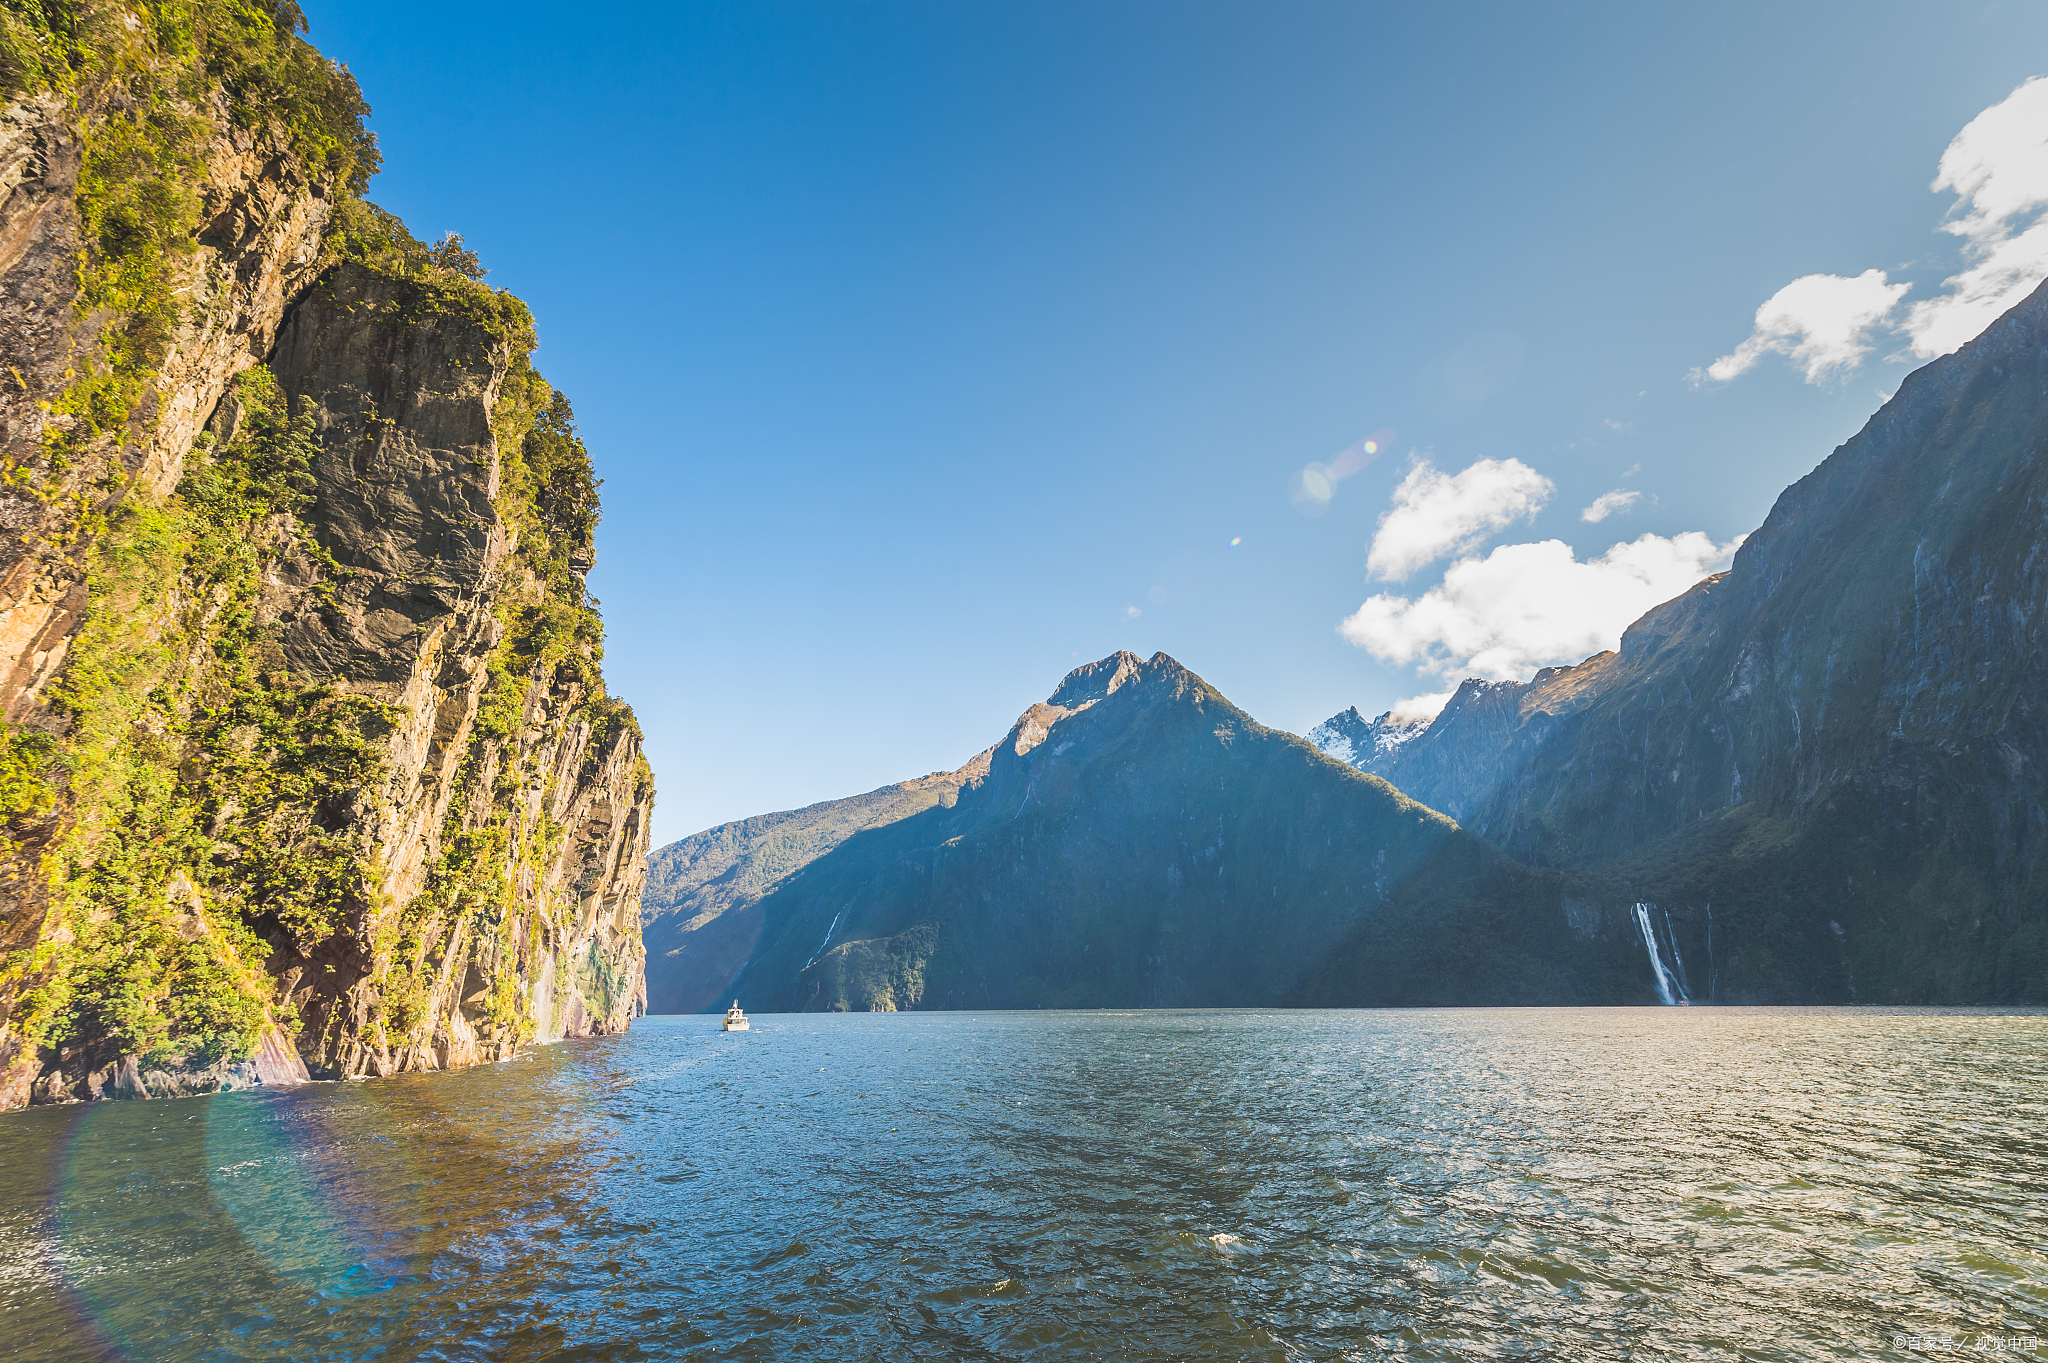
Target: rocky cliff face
{"type": "Point", "coordinates": [1832, 760]}
{"type": "Point", "coordinates": [308, 765]}
{"type": "Point", "coordinates": [256, 243]}
{"type": "Point", "coordinates": [1137, 840]}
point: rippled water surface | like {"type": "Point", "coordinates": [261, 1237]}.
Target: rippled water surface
{"type": "Point", "coordinates": [1616, 1183]}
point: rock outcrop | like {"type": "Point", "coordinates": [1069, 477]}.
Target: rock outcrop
{"type": "Point", "coordinates": [308, 767]}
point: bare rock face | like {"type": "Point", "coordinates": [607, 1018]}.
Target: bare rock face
{"type": "Point", "coordinates": [408, 485]}
{"type": "Point", "coordinates": [258, 244]}
{"type": "Point", "coordinates": [308, 765]}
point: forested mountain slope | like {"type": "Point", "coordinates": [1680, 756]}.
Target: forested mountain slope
{"type": "Point", "coordinates": [702, 892]}
{"type": "Point", "coordinates": [1138, 840]}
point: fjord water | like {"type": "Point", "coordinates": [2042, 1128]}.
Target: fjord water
{"type": "Point", "coordinates": [1615, 1183]}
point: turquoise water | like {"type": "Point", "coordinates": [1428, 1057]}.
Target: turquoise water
{"type": "Point", "coordinates": [1616, 1183]}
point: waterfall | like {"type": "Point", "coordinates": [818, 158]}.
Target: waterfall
{"type": "Point", "coordinates": [1668, 989]}
{"type": "Point", "coordinates": [1677, 958]}
{"type": "Point", "coordinates": [828, 938]}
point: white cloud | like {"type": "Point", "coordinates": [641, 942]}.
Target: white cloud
{"type": "Point", "coordinates": [1526, 606]}
{"type": "Point", "coordinates": [1998, 165]}
{"type": "Point", "coordinates": [1416, 709]}
{"type": "Point", "coordinates": [1607, 503]}
{"type": "Point", "coordinates": [1436, 514]}
{"type": "Point", "coordinates": [1821, 322]}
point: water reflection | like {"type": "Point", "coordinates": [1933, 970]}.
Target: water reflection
{"type": "Point", "coordinates": [332, 1221]}
{"type": "Point", "coordinates": [1514, 1184]}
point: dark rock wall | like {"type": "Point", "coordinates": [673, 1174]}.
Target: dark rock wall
{"type": "Point", "coordinates": [407, 507]}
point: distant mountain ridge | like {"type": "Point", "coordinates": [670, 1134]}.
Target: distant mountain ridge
{"type": "Point", "coordinates": [698, 928]}
{"type": "Point", "coordinates": [1365, 743]}
{"type": "Point", "coordinates": [1138, 840]}
{"type": "Point", "coordinates": [1819, 777]}
{"type": "Point", "coordinates": [1450, 762]}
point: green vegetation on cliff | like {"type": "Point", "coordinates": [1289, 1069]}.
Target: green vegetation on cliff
{"type": "Point", "coordinates": [194, 764]}
{"type": "Point", "coordinates": [198, 818]}
{"type": "Point", "coordinates": [550, 636]}
{"type": "Point", "coordinates": [146, 83]}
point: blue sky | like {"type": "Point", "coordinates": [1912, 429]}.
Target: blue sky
{"type": "Point", "coordinates": [927, 350]}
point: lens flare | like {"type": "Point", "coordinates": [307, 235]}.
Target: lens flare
{"type": "Point", "coordinates": [1313, 489]}
{"type": "Point", "coordinates": [252, 1176]}
{"type": "Point", "coordinates": [1236, 540]}
{"type": "Point", "coordinates": [328, 1220]}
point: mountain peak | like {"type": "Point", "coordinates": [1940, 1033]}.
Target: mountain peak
{"type": "Point", "coordinates": [1366, 744]}
{"type": "Point", "coordinates": [1160, 849]}
{"type": "Point", "coordinates": [1095, 681]}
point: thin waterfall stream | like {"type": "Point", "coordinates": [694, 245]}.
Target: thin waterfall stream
{"type": "Point", "coordinates": [1669, 988]}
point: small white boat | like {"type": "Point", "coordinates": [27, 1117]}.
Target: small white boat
{"type": "Point", "coordinates": [735, 1020]}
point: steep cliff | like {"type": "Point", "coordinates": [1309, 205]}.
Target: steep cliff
{"type": "Point", "coordinates": [1831, 760]}
{"type": "Point", "coordinates": [307, 764]}
{"type": "Point", "coordinates": [1138, 840]}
